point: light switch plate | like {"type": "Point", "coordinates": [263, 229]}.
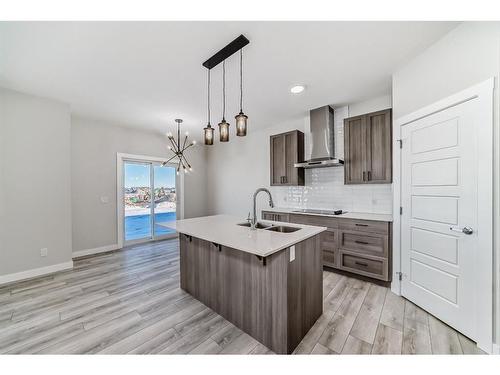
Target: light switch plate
{"type": "Point", "coordinates": [44, 252]}
{"type": "Point", "coordinates": [104, 199]}
{"type": "Point", "coordinates": [292, 253]}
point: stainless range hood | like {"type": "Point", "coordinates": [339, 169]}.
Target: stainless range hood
{"type": "Point", "coordinates": [323, 140]}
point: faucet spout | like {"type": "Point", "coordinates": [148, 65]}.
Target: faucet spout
{"type": "Point", "coordinates": [271, 204]}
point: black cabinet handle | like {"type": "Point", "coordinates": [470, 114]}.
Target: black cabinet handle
{"type": "Point", "coordinates": [364, 174]}
{"type": "Point", "coordinates": [369, 175]}
{"type": "Point", "coordinates": [360, 263]}
{"type": "Point", "coordinates": [361, 225]}
{"type": "Point", "coordinates": [362, 242]}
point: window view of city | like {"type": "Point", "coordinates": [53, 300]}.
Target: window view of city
{"type": "Point", "coordinates": [139, 223]}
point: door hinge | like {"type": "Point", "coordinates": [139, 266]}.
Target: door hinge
{"type": "Point", "coordinates": [400, 143]}
{"type": "Point", "coordinates": [401, 210]}
{"type": "Point", "coordinates": [400, 275]}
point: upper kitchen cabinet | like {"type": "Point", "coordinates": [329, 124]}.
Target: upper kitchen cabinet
{"type": "Point", "coordinates": [286, 150]}
{"type": "Point", "coordinates": [368, 148]}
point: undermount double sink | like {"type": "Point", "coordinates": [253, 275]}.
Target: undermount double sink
{"type": "Point", "coordinates": [271, 227]}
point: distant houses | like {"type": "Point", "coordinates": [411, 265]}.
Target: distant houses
{"type": "Point", "coordinates": [141, 196]}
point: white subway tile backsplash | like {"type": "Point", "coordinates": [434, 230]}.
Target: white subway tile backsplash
{"type": "Point", "coordinates": [325, 189]}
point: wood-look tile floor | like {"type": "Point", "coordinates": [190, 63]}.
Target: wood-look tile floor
{"type": "Point", "coordinates": [129, 301]}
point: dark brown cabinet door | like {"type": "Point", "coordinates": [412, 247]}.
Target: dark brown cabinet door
{"type": "Point", "coordinates": [379, 147]}
{"type": "Point", "coordinates": [368, 148]}
{"type": "Point", "coordinates": [355, 150]}
{"type": "Point", "coordinates": [286, 150]}
{"type": "Point", "coordinates": [277, 159]}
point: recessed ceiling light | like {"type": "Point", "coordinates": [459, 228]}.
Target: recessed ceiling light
{"type": "Point", "coordinates": [297, 89]}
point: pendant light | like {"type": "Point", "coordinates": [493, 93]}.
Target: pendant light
{"type": "Point", "coordinates": [223, 125]}
{"type": "Point", "coordinates": [241, 118]}
{"type": "Point", "coordinates": [209, 131]}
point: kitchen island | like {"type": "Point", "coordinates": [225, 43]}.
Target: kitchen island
{"type": "Point", "coordinates": [266, 282]}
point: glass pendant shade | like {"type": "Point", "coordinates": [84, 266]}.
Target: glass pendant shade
{"type": "Point", "coordinates": [241, 124]}
{"type": "Point", "coordinates": [209, 135]}
{"type": "Point", "coordinates": [224, 131]}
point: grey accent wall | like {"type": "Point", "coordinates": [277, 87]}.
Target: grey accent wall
{"type": "Point", "coordinates": [94, 145]}
{"type": "Point", "coordinates": [35, 188]}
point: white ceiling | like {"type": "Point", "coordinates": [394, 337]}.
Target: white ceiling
{"type": "Point", "coordinates": [145, 74]}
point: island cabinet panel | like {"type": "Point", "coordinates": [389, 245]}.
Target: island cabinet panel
{"type": "Point", "coordinates": [275, 299]}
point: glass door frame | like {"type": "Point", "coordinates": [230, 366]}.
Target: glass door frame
{"type": "Point", "coordinates": [121, 159]}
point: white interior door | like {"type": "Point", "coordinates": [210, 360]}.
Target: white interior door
{"type": "Point", "coordinates": [439, 196]}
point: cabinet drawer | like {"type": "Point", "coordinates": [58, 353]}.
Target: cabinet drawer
{"type": "Point", "coordinates": [368, 243]}
{"type": "Point", "coordinates": [281, 217]}
{"type": "Point", "coordinates": [364, 265]}
{"type": "Point", "coordinates": [275, 216]}
{"type": "Point", "coordinates": [267, 216]}
{"type": "Point", "coordinates": [314, 220]}
{"type": "Point", "coordinates": [329, 258]}
{"type": "Point", "coordinates": [381, 227]}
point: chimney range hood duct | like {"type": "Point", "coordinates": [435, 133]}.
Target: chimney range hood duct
{"type": "Point", "coordinates": [323, 140]}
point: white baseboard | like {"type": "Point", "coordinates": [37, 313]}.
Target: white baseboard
{"type": "Point", "coordinates": [35, 272]}
{"type": "Point", "coordinates": [97, 250]}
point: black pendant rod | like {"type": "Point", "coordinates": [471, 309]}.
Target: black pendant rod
{"type": "Point", "coordinates": [208, 99]}
{"type": "Point", "coordinates": [224, 90]}
{"type": "Point", "coordinates": [227, 51]}
{"type": "Point", "coordinates": [241, 80]}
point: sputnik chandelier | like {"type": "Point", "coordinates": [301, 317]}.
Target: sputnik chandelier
{"type": "Point", "coordinates": [241, 119]}
{"type": "Point", "coordinates": [178, 150]}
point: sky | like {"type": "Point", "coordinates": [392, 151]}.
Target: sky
{"type": "Point", "coordinates": [137, 175]}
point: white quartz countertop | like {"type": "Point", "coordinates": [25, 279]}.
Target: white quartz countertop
{"type": "Point", "coordinates": [223, 230]}
{"type": "Point", "coordinates": [348, 215]}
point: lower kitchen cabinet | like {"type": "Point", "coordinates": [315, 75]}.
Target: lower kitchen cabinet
{"type": "Point", "coordinates": [363, 264]}
{"type": "Point", "coordinates": [360, 247]}
{"type": "Point", "coordinates": [329, 258]}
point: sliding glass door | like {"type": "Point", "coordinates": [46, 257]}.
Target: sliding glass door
{"type": "Point", "coordinates": [165, 199]}
{"type": "Point", "coordinates": [150, 197]}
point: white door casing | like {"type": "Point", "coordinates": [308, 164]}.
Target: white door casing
{"type": "Point", "coordinates": [445, 186]}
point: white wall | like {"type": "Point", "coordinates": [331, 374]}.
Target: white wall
{"type": "Point", "coordinates": [467, 55]}
{"type": "Point", "coordinates": [371, 105]}
{"type": "Point", "coordinates": [35, 189]}
{"type": "Point", "coordinates": [94, 146]}
{"type": "Point", "coordinates": [237, 168]}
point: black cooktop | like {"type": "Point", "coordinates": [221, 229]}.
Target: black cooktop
{"type": "Point", "coordinates": [321, 212]}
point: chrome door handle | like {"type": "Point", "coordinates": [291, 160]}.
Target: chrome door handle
{"type": "Point", "coordinates": [464, 230]}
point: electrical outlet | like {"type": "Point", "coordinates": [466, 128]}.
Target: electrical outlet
{"type": "Point", "coordinates": [292, 253]}
{"type": "Point", "coordinates": [44, 252]}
